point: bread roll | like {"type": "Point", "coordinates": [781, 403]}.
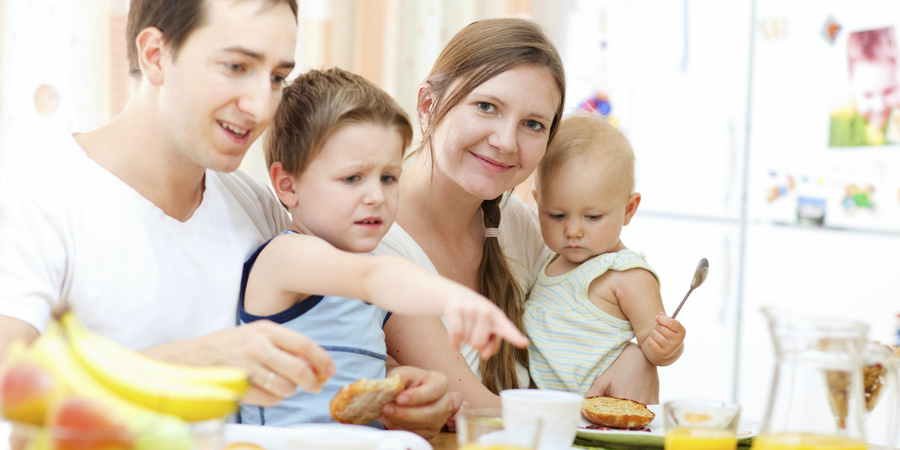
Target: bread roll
{"type": "Point", "coordinates": [361, 402]}
{"type": "Point", "coordinates": [616, 412]}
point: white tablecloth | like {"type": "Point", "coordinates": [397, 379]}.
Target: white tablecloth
{"type": "Point", "coordinates": [5, 430]}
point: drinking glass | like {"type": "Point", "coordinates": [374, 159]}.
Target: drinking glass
{"type": "Point", "coordinates": [701, 425]}
{"type": "Point", "coordinates": [485, 429]}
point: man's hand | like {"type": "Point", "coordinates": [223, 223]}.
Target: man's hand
{"type": "Point", "coordinates": [423, 407]}
{"type": "Point", "coordinates": [278, 359]}
{"type": "Point", "coordinates": [12, 329]}
{"type": "Point", "coordinates": [631, 376]}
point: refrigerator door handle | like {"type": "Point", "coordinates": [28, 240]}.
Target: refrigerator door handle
{"type": "Point", "coordinates": [732, 163]}
{"type": "Point", "coordinates": [685, 30]}
{"type": "Point", "coordinates": [726, 286]}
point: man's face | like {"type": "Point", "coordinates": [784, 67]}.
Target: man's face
{"type": "Point", "coordinates": [221, 90]}
{"type": "Point", "coordinates": [875, 90]}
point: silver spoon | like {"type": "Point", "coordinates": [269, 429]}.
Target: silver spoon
{"type": "Point", "coordinates": [699, 277]}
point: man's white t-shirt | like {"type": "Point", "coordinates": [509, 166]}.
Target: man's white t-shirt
{"type": "Point", "coordinates": [74, 232]}
{"type": "Point", "coordinates": [522, 244]}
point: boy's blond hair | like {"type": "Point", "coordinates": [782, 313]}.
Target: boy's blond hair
{"type": "Point", "coordinates": [317, 104]}
{"type": "Point", "coordinates": [588, 134]}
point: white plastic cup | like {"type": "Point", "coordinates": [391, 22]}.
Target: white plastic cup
{"type": "Point", "coordinates": [558, 411]}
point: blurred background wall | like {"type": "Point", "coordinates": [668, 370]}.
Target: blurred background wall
{"type": "Point", "coordinates": [75, 49]}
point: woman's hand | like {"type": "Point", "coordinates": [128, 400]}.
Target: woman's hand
{"type": "Point", "coordinates": [459, 406]}
{"type": "Point", "coordinates": [423, 407]}
{"type": "Point", "coordinates": [278, 359]}
{"type": "Point", "coordinates": [631, 376]}
{"type": "Point", "coordinates": [473, 319]}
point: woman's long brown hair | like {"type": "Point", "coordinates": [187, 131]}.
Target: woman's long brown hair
{"type": "Point", "coordinates": [476, 54]}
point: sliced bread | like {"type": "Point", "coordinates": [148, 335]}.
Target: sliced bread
{"type": "Point", "coordinates": [616, 412]}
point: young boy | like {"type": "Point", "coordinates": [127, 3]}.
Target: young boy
{"type": "Point", "coordinates": [593, 294]}
{"type": "Point", "coordinates": [335, 152]}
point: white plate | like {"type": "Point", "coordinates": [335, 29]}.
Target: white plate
{"type": "Point", "coordinates": [654, 437]}
{"type": "Point", "coordinates": [276, 438]}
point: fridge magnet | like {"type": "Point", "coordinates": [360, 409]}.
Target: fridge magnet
{"type": "Point", "coordinates": [811, 211]}
{"type": "Point", "coordinates": [599, 104]}
{"type": "Point", "coordinates": [780, 190]}
{"type": "Point", "coordinates": [866, 117]}
{"type": "Point", "coordinates": [857, 198]}
{"type": "Point", "coordinates": [773, 28]}
{"type": "Point", "coordinates": [830, 30]}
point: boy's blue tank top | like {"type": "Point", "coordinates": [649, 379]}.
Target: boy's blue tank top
{"type": "Point", "coordinates": [350, 330]}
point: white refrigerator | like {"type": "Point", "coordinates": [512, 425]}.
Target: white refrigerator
{"type": "Point", "coordinates": [823, 209]}
{"type": "Point", "coordinates": [728, 107]}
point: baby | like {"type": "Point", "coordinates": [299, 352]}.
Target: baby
{"type": "Point", "coordinates": [593, 294]}
{"type": "Point", "coordinates": [334, 154]}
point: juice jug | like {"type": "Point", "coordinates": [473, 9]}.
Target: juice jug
{"type": "Point", "coordinates": [817, 398]}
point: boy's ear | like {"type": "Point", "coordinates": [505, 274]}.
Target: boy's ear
{"type": "Point", "coordinates": [425, 100]}
{"type": "Point", "coordinates": [284, 185]}
{"type": "Point", "coordinates": [634, 200]}
{"type": "Point", "coordinates": [150, 44]}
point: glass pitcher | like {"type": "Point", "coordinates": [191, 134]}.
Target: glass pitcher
{"type": "Point", "coordinates": [817, 398]}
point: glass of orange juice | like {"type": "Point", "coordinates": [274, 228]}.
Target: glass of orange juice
{"type": "Point", "coordinates": [701, 425]}
{"type": "Point", "coordinates": [484, 429]}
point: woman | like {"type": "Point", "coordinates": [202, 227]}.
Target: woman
{"type": "Point", "coordinates": [488, 109]}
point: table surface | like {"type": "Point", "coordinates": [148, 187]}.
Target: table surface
{"type": "Point", "coordinates": [447, 441]}
{"type": "Point", "coordinates": [444, 441]}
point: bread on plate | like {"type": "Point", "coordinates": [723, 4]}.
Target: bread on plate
{"type": "Point", "coordinates": [361, 402]}
{"type": "Point", "coordinates": [616, 412]}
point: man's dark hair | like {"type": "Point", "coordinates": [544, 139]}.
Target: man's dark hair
{"type": "Point", "coordinates": [175, 18]}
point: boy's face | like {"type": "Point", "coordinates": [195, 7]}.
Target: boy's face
{"type": "Point", "coordinates": [582, 209]}
{"type": "Point", "coordinates": [349, 194]}
{"type": "Point", "coordinates": [224, 85]}
{"type": "Point", "coordinates": [875, 90]}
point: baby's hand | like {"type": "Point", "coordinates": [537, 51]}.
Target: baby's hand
{"type": "Point", "coordinates": [473, 319]}
{"type": "Point", "coordinates": [666, 337]}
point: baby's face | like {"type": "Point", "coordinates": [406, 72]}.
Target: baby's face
{"type": "Point", "coordinates": [875, 90]}
{"type": "Point", "coordinates": [350, 193]}
{"type": "Point", "coordinates": [582, 210]}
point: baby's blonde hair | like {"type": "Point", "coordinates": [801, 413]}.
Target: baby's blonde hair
{"type": "Point", "coordinates": [588, 134]}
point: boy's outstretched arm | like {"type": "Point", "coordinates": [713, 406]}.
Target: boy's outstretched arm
{"type": "Point", "coordinates": [308, 265]}
{"type": "Point", "coordinates": [661, 338]}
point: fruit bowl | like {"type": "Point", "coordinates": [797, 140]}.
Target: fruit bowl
{"type": "Point", "coordinates": [205, 435]}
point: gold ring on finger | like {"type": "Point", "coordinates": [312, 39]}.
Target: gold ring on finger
{"type": "Point", "coordinates": [269, 379]}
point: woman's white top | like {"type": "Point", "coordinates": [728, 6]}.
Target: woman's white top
{"type": "Point", "coordinates": [522, 244]}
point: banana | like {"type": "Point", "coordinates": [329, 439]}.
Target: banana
{"type": "Point", "coordinates": [94, 346]}
{"type": "Point", "coordinates": [188, 400]}
{"type": "Point", "coordinates": [152, 430]}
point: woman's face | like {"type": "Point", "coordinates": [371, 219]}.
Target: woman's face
{"type": "Point", "coordinates": [494, 138]}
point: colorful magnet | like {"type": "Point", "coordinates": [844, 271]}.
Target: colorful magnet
{"type": "Point", "coordinates": [830, 30]}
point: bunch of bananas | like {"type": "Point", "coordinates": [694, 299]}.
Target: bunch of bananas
{"type": "Point", "coordinates": [75, 380]}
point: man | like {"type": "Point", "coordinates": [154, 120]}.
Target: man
{"type": "Point", "coordinates": [142, 226]}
